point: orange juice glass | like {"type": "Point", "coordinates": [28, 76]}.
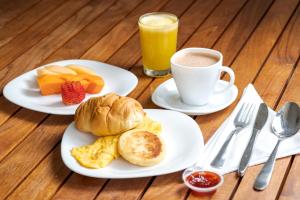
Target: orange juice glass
{"type": "Point", "coordinates": [158, 35]}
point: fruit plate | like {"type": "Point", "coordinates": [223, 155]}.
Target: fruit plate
{"type": "Point", "coordinates": [24, 90]}
{"type": "Point", "coordinates": [181, 134]}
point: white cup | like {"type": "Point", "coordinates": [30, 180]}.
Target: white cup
{"type": "Point", "coordinates": [197, 84]}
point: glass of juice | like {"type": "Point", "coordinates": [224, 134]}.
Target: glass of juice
{"type": "Point", "coordinates": [158, 35]}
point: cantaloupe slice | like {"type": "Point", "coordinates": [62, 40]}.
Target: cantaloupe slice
{"type": "Point", "coordinates": [51, 84]}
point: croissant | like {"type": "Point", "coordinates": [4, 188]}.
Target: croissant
{"type": "Point", "coordinates": [109, 115]}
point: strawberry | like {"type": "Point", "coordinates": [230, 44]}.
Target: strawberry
{"type": "Point", "coordinates": [72, 92]}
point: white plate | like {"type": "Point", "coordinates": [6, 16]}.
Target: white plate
{"type": "Point", "coordinates": [24, 90]}
{"type": "Point", "coordinates": [166, 96]}
{"type": "Point", "coordinates": [181, 134]}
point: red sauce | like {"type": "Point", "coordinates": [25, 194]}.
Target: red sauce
{"type": "Point", "coordinates": [203, 179]}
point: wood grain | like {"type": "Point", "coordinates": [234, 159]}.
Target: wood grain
{"type": "Point", "coordinates": [93, 32]}
{"type": "Point", "coordinates": [78, 186]}
{"type": "Point", "coordinates": [31, 187]}
{"type": "Point", "coordinates": [17, 128]}
{"type": "Point", "coordinates": [215, 25]}
{"type": "Point", "coordinates": [103, 49]}
{"type": "Point", "coordinates": [35, 33]}
{"type": "Point", "coordinates": [9, 9]}
{"type": "Point", "coordinates": [54, 40]}
{"type": "Point", "coordinates": [26, 156]}
{"type": "Point", "coordinates": [129, 189]}
{"type": "Point", "coordinates": [28, 18]}
{"type": "Point", "coordinates": [7, 109]}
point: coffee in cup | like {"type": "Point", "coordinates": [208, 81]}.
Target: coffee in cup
{"type": "Point", "coordinates": [196, 72]}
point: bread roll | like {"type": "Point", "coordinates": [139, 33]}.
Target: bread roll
{"type": "Point", "coordinates": [141, 147]}
{"type": "Point", "coordinates": [109, 115]}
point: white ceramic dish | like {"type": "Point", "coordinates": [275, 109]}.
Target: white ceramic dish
{"type": "Point", "coordinates": [166, 96]}
{"type": "Point", "coordinates": [24, 90]}
{"type": "Point", "coordinates": [181, 134]}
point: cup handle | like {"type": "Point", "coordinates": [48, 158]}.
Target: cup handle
{"type": "Point", "coordinates": [231, 82]}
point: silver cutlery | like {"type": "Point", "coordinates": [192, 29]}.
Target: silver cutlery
{"type": "Point", "coordinates": [261, 118]}
{"type": "Point", "coordinates": [285, 124]}
{"type": "Point", "coordinates": [241, 120]}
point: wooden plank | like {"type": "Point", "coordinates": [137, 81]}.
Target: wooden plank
{"type": "Point", "coordinates": [7, 109]}
{"type": "Point", "coordinates": [35, 33]}
{"type": "Point", "coordinates": [291, 186]}
{"type": "Point", "coordinates": [26, 156]}
{"type": "Point", "coordinates": [94, 31]}
{"type": "Point", "coordinates": [36, 179]}
{"type": "Point", "coordinates": [104, 48]}
{"type": "Point", "coordinates": [129, 189]}
{"type": "Point", "coordinates": [214, 26]}
{"type": "Point", "coordinates": [73, 190]}
{"type": "Point", "coordinates": [232, 41]}
{"type": "Point", "coordinates": [11, 8]}
{"type": "Point", "coordinates": [17, 128]}
{"type": "Point", "coordinates": [28, 18]}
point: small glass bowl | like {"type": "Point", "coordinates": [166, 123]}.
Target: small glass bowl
{"type": "Point", "coordinates": [197, 190]}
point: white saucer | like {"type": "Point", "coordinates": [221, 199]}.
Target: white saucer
{"type": "Point", "coordinates": [166, 96]}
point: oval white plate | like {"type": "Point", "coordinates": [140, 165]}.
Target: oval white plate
{"type": "Point", "coordinates": [24, 90]}
{"type": "Point", "coordinates": [167, 96]}
{"type": "Point", "coordinates": [181, 134]}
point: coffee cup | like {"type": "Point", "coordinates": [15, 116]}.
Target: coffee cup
{"type": "Point", "coordinates": [196, 72]}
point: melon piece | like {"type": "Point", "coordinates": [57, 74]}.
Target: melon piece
{"type": "Point", "coordinates": [50, 84]}
{"type": "Point", "coordinates": [96, 83]}
{"type": "Point", "coordinates": [60, 70]}
{"type": "Point", "coordinates": [43, 72]}
{"type": "Point", "coordinates": [81, 70]}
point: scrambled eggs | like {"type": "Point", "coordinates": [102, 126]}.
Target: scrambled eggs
{"type": "Point", "coordinates": [99, 154]}
{"type": "Point", "coordinates": [105, 149]}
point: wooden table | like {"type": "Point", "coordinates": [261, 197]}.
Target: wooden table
{"type": "Point", "coordinates": [260, 40]}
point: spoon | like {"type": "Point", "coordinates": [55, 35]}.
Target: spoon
{"type": "Point", "coordinates": [285, 124]}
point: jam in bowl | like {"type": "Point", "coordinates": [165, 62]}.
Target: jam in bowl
{"type": "Point", "coordinates": [202, 182]}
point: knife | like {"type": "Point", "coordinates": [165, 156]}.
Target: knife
{"type": "Point", "coordinates": [260, 120]}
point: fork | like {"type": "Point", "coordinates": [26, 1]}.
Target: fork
{"type": "Point", "coordinates": [241, 120]}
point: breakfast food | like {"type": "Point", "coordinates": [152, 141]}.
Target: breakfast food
{"type": "Point", "coordinates": [141, 147]}
{"type": "Point", "coordinates": [99, 154]}
{"type": "Point", "coordinates": [123, 128]}
{"type": "Point", "coordinates": [50, 79]}
{"type": "Point", "coordinates": [72, 92]}
{"type": "Point", "coordinates": [109, 115]}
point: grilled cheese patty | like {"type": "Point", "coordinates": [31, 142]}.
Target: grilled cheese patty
{"type": "Point", "coordinates": [141, 147]}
